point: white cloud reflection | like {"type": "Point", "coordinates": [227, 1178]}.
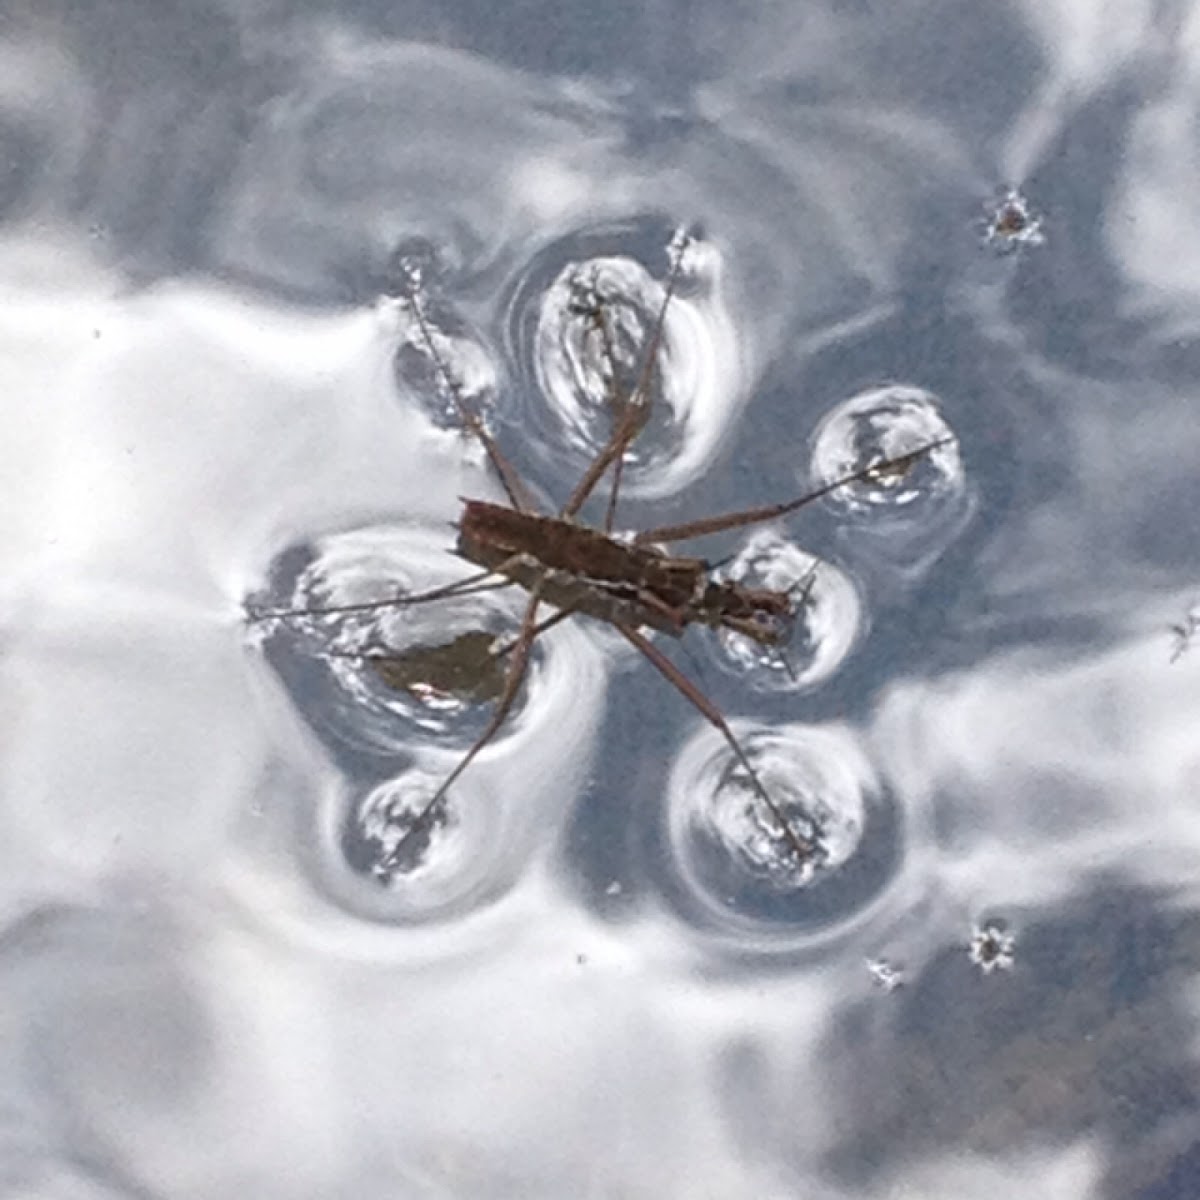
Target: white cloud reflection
{"type": "Point", "coordinates": [217, 1023]}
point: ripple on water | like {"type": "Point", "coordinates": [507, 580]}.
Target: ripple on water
{"type": "Point", "coordinates": [385, 679]}
{"type": "Point", "coordinates": [439, 360]}
{"type": "Point", "coordinates": [579, 324]}
{"type": "Point", "coordinates": [404, 871]}
{"type": "Point", "coordinates": [904, 518]}
{"type": "Point", "coordinates": [735, 873]}
{"type": "Point", "coordinates": [828, 616]}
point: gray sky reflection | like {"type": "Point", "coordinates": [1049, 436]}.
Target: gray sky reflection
{"type": "Point", "coordinates": [202, 997]}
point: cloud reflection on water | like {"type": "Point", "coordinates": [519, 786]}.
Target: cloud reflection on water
{"type": "Point", "coordinates": [178, 977]}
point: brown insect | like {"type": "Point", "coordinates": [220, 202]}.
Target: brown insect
{"type": "Point", "coordinates": [632, 584]}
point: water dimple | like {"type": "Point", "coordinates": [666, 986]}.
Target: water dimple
{"type": "Point", "coordinates": [906, 514]}
{"type": "Point", "coordinates": [439, 359]}
{"type": "Point", "coordinates": [754, 837]}
{"type": "Point", "coordinates": [740, 873]}
{"type": "Point", "coordinates": [391, 834]}
{"type": "Point", "coordinates": [593, 353]}
{"type": "Point", "coordinates": [879, 425]}
{"type": "Point", "coordinates": [375, 655]}
{"type": "Point", "coordinates": [992, 947]}
{"type": "Point", "coordinates": [827, 616]}
{"type": "Point", "coordinates": [442, 363]}
{"type": "Point", "coordinates": [596, 330]}
{"type": "Point", "coordinates": [414, 265]}
{"type": "Point", "coordinates": [409, 831]}
{"type": "Point", "coordinates": [1012, 223]}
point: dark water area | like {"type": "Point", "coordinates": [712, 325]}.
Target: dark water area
{"type": "Point", "coordinates": [256, 261]}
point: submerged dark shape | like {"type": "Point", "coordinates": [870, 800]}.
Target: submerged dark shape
{"type": "Point", "coordinates": [466, 667]}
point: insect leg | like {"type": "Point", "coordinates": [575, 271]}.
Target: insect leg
{"type": "Point", "coordinates": [621, 408]}
{"type": "Point", "coordinates": [512, 685]}
{"type": "Point", "coordinates": [804, 848]}
{"type": "Point", "coordinates": [500, 651]}
{"type": "Point", "coordinates": [769, 512]}
{"type": "Point", "coordinates": [510, 478]}
{"type": "Point", "coordinates": [625, 411]}
{"type": "Point", "coordinates": [632, 416]}
{"type": "Point", "coordinates": [540, 628]}
{"type": "Point", "coordinates": [467, 586]}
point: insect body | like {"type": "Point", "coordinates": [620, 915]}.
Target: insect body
{"type": "Point", "coordinates": [590, 572]}
{"type": "Point", "coordinates": [466, 666]}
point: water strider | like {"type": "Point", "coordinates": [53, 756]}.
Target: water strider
{"type": "Point", "coordinates": [632, 583]}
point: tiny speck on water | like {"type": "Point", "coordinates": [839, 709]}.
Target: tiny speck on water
{"type": "Point", "coordinates": [992, 948]}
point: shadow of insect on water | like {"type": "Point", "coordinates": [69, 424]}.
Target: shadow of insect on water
{"type": "Point", "coordinates": [469, 666]}
{"type": "Point", "coordinates": [631, 583]}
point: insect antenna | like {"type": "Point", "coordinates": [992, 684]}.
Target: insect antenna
{"type": "Point", "coordinates": [878, 469]}
{"type": "Point", "coordinates": [805, 849]}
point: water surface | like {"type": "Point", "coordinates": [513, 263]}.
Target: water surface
{"type": "Point", "coordinates": [221, 973]}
